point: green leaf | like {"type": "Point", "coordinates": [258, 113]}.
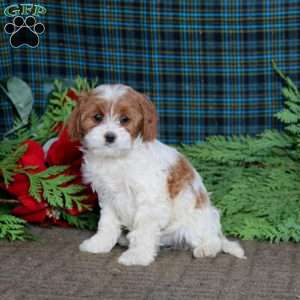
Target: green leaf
{"type": "Point", "coordinates": [20, 94]}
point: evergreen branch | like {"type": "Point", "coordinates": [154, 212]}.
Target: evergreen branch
{"type": "Point", "coordinates": [290, 115]}
{"type": "Point", "coordinates": [56, 188]}
{"type": "Point", "coordinates": [9, 164]}
{"type": "Point", "coordinates": [242, 150]}
{"type": "Point", "coordinates": [290, 84]}
{"type": "Point", "coordinates": [53, 171]}
{"type": "Point", "coordinates": [13, 228]}
{"type": "Point", "coordinates": [82, 84]}
{"type": "Point", "coordinates": [35, 187]}
{"type": "Point", "coordinates": [87, 220]}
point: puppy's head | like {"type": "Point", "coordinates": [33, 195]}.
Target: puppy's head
{"type": "Point", "coordinates": [110, 118]}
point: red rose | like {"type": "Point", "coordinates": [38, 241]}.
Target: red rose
{"type": "Point", "coordinates": [19, 186]}
{"type": "Point", "coordinates": [31, 210]}
{"type": "Point", "coordinates": [58, 127]}
{"type": "Point", "coordinates": [72, 94]}
{"type": "Point", "coordinates": [31, 203]}
{"type": "Point", "coordinates": [33, 157]}
{"type": "Point", "coordinates": [63, 151]}
{"type": "Point", "coordinates": [29, 215]}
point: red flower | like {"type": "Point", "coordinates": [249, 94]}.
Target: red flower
{"type": "Point", "coordinates": [19, 186]}
{"type": "Point", "coordinates": [63, 151]}
{"type": "Point", "coordinates": [33, 157]}
{"type": "Point", "coordinates": [72, 94]}
{"type": "Point", "coordinates": [31, 210]}
{"type": "Point", "coordinates": [58, 127]}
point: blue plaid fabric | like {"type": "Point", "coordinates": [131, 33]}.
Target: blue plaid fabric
{"type": "Point", "coordinates": [205, 64]}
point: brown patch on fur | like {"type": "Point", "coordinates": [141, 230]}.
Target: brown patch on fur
{"type": "Point", "coordinates": [180, 175]}
{"type": "Point", "coordinates": [82, 118]}
{"type": "Point", "coordinates": [128, 107]}
{"type": "Point", "coordinates": [134, 105]}
{"type": "Point", "coordinates": [149, 129]}
{"type": "Point", "coordinates": [201, 199]}
{"type": "Point", "coordinates": [141, 112]}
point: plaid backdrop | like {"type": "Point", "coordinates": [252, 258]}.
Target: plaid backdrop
{"type": "Point", "coordinates": [205, 64]}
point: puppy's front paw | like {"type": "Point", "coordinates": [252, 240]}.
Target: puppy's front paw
{"type": "Point", "coordinates": [135, 257]}
{"type": "Point", "coordinates": [95, 245]}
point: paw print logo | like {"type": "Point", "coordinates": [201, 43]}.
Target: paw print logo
{"type": "Point", "coordinates": [24, 32]}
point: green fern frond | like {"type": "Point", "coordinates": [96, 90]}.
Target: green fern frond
{"type": "Point", "coordinates": [82, 84]}
{"type": "Point", "coordinates": [53, 171]}
{"type": "Point", "coordinates": [87, 220]}
{"type": "Point", "coordinates": [9, 164]}
{"type": "Point", "coordinates": [290, 115]}
{"type": "Point", "coordinates": [13, 228]}
{"type": "Point", "coordinates": [56, 189]}
{"type": "Point", "coordinates": [243, 150]}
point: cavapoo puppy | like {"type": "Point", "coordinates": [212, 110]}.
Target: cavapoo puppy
{"type": "Point", "coordinates": [144, 186]}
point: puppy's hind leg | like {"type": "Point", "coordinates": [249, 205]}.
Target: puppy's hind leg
{"type": "Point", "coordinates": [208, 247]}
{"type": "Point", "coordinates": [212, 246]}
{"type": "Point", "coordinates": [211, 239]}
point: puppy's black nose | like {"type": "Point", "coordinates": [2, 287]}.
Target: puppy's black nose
{"type": "Point", "coordinates": [110, 137]}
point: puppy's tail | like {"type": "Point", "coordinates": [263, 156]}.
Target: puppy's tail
{"type": "Point", "coordinates": [232, 247]}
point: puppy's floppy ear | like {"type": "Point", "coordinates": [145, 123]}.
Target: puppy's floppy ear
{"type": "Point", "coordinates": [74, 122]}
{"type": "Point", "coordinates": [149, 127]}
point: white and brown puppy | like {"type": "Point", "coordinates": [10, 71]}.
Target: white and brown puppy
{"type": "Point", "coordinates": [143, 185]}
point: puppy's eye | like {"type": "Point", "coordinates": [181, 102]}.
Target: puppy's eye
{"type": "Point", "coordinates": [98, 118]}
{"type": "Point", "coordinates": [124, 120]}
